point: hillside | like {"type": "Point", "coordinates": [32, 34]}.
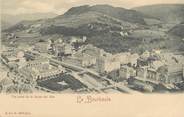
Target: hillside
{"type": "Point", "coordinates": [169, 13]}
{"type": "Point", "coordinates": [178, 30]}
{"type": "Point", "coordinates": [88, 23]}
{"type": "Point", "coordinates": [112, 28]}
{"type": "Point", "coordinates": [85, 20]}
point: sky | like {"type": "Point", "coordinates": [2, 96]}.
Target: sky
{"type": "Point", "coordinates": [60, 6]}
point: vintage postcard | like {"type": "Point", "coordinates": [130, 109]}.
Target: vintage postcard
{"type": "Point", "coordinates": [92, 58]}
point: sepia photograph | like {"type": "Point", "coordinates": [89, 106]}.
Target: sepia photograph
{"type": "Point", "coordinates": [91, 47]}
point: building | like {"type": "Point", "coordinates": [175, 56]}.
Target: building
{"type": "Point", "coordinates": [82, 59]}
{"type": "Point", "coordinates": [133, 59]}
{"type": "Point", "coordinates": [13, 58]}
{"type": "Point", "coordinates": [42, 47]}
{"type": "Point", "coordinates": [142, 72]}
{"type": "Point", "coordinates": [3, 71]}
{"type": "Point", "coordinates": [165, 74]}
{"type": "Point", "coordinates": [174, 74]}
{"type": "Point", "coordinates": [152, 75]}
{"type": "Point", "coordinates": [11, 36]}
{"type": "Point", "coordinates": [148, 61]}
{"type": "Point", "coordinates": [107, 64]}
{"type": "Point", "coordinates": [36, 63]}
{"type": "Point", "coordinates": [183, 72]}
{"type": "Point", "coordinates": [61, 49]}
{"type": "Point", "coordinates": [156, 64]}
{"type": "Point", "coordinates": [126, 58]}
{"type": "Point", "coordinates": [39, 70]}
{"type": "Point", "coordinates": [5, 83]}
{"type": "Point", "coordinates": [173, 67]}
{"type": "Point", "coordinates": [145, 54]}
{"type": "Point", "coordinates": [123, 58]}
{"type": "Point", "coordinates": [126, 72]}
{"type": "Point", "coordinates": [87, 60]}
{"type": "Point", "coordinates": [31, 56]}
{"type": "Point", "coordinates": [78, 39]}
{"type": "Point", "coordinates": [94, 51]}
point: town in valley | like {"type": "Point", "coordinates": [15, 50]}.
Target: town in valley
{"type": "Point", "coordinates": [51, 56]}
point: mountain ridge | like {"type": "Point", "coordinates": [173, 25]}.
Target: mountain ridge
{"type": "Point", "coordinates": [116, 12]}
{"type": "Point", "coordinates": [170, 13]}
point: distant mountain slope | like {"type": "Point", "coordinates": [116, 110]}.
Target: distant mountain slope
{"type": "Point", "coordinates": [5, 25]}
{"type": "Point", "coordinates": [33, 16]}
{"type": "Point", "coordinates": [10, 20]}
{"type": "Point", "coordinates": [178, 30]}
{"type": "Point", "coordinates": [170, 13]}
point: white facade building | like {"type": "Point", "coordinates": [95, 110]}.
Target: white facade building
{"type": "Point", "coordinates": [106, 65]}
{"type": "Point", "coordinates": [87, 60]}
{"type": "Point", "coordinates": [126, 72]}
{"type": "Point", "coordinates": [42, 47]}
{"type": "Point", "coordinates": [38, 70]}
{"type": "Point", "coordinates": [62, 49]}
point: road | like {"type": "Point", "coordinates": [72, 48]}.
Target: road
{"type": "Point", "coordinates": [82, 80]}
